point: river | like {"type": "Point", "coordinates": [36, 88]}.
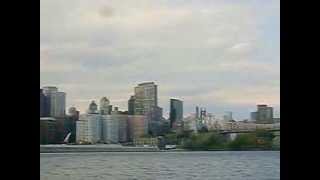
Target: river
{"type": "Point", "coordinates": [209, 165]}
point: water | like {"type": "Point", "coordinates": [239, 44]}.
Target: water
{"type": "Point", "coordinates": [213, 165]}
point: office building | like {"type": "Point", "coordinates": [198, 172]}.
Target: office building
{"type": "Point", "coordinates": [88, 129]}
{"type": "Point", "coordinates": [176, 112]}
{"type": "Point", "coordinates": [137, 126]}
{"type": "Point", "coordinates": [55, 101]}
{"type": "Point", "coordinates": [197, 113]}
{"type": "Point", "coordinates": [70, 123]}
{"type": "Point", "coordinates": [131, 103]}
{"type": "Point", "coordinates": [110, 129]}
{"type": "Point", "coordinates": [145, 97]}
{"type": "Point", "coordinates": [43, 105]}
{"type": "Point", "coordinates": [93, 108]}
{"type": "Point", "coordinates": [105, 107]}
{"type": "Point", "coordinates": [263, 115]}
{"type": "Point", "coordinates": [47, 130]}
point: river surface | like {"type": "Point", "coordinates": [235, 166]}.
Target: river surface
{"type": "Point", "coordinates": [211, 165]}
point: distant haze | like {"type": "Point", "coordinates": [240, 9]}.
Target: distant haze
{"type": "Point", "coordinates": [222, 55]}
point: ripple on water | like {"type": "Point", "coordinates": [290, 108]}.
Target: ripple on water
{"type": "Point", "coordinates": [159, 166]}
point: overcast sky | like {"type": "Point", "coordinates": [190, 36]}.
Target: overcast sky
{"type": "Point", "coordinates": [220, 54]}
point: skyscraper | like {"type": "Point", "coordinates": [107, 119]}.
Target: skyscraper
{"type": "Point", "coordinates": [55, 102]}
{"type": "Point", "coordinates": [176, 112]}
{"type": "Point", "coordinates": [131, 103]}
{"type": "Point", "coordinates": [145, 97]}
{"type": "Point", "coordinates": [197, 112]}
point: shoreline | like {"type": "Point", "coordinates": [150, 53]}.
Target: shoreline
{"type": "Point", "coordinates": [119, 148]}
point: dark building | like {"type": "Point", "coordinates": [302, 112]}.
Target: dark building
{"type": "Point", "coordinates": [176, 112]}
{"type": "Point", "coordinates": [44, 105]}
{"type": "Point", "coordinates": [197, 112]}
{"type": "Point", "coordinates": [203, 113]}
{"type": "Point", "coordinates": [131, 103]}
{"type": "Point", "coordinates": [155, 116]}
{"type": "Point", "coordinates": [70, 123]}
{"type": "Point", "coordinates": [61, 131]}
{"type": "Point", "coordinates": [47, 130]}
{"type": "Point", "coordinates": [263, 115]}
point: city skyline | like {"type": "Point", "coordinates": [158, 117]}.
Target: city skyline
{"type": "Point", "coordinates": [167, 116]}
{"type": "Point", "coordinates": [227, 60]}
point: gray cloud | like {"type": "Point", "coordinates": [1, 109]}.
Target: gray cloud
{"type": "Point", "coordinates": [217, 53]}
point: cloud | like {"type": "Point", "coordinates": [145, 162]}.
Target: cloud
{"type": "Point", "coordinates": [208, 50]}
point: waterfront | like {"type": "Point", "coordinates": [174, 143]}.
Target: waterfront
{"type": "Point", "coordinates": [226, 165]}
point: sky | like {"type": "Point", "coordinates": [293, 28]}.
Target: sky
{"type": "Point", "coordinates": [220, 54]}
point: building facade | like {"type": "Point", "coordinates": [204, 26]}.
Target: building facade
{"type": "Point", "coordinates": [176, 112]}
{"type": "Point", "coordinates": [145, 97]}
{"type": "Point", "coordinates": [89, 129]}
{"type": "Point", "coordinates": [264, 114]}
{"type": "Point", "coordinates": [137, 126]}
{"type": "Point", "coordinates": [110, 129]}
{"type": "Point", "coordinates": [47, 130]}
{"type": "Point", "coordinates": [55, 102]}
{"type": "Point", "coordinates": [43, 105]}
{"type": "Point", "coordinates": [105, 107]}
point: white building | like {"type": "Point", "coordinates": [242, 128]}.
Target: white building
{"type": "Point", "coordinates": [110, 129]}
{"type": "Point", "coordinates": [89, 128]}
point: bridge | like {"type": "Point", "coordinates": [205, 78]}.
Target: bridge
{"type": "Point", "coordinates": [229, 131]}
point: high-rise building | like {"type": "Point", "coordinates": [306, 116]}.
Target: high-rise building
{"type": "Point", "coordinates": [55, 101]}
{"type": "Point", "coordinates": [137, 126]}
{"type": "Point", "coordinates": [70, 123]}
{"type": "Point", "coordinates": [110, 128]}
{"type": "Point", "coordinates": [155, 117]}
{"type": "Point", "coordinates": [197, 112]}
{"type": "Point", "coordinates": [47, 130]}
{"type": "Point", "coordinates": [145, 97]}
{"type": "Point", "coordinates": [88, 128]}
{"type": "Point", "coordinates": [42, 104]}
{"type": "Point", "coordinates": [105, 107]}
{"type": "Point", "coordinates": [131, 103]}
{"type": "Point", "coordinates": [176, 112]}
{"type": "Point", "coordinates": [263, 115]}
{"type": "Point", "coordinates": [145, 102]}
{"type": "Point", "coordinates": [93, 108]}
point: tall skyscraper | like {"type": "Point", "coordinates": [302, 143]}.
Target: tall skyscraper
{"type": "Point", "coordinates": [55, 102]}
{"type": "Point", "coordinates": [176, 112]}
{"type": "Point", "coordinates": [145, 97]}
{"type": "Point", "coordinates": [197, 112]}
